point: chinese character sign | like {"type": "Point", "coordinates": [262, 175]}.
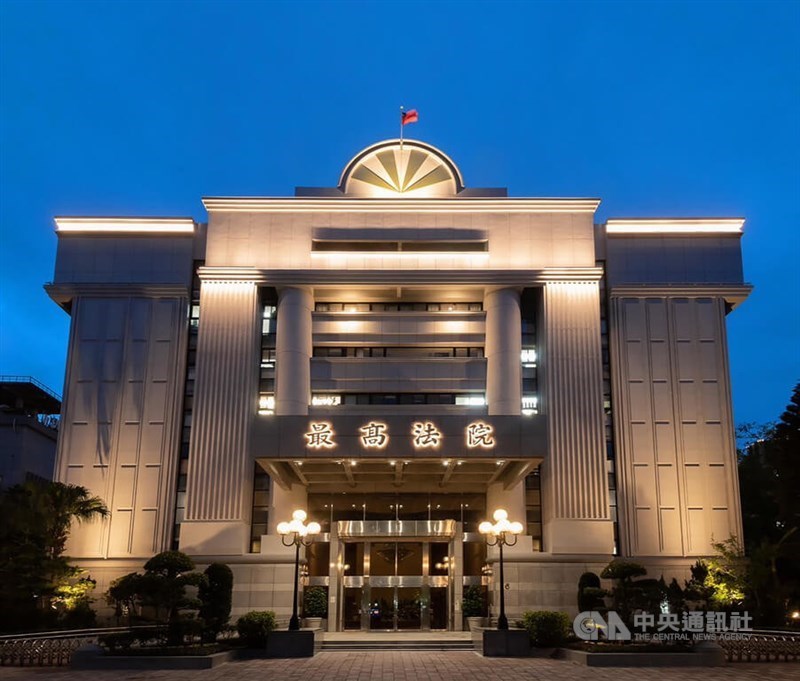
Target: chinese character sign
{"type": "Point", "coordinates": [479, 434]}
{"type": "Point", "coordinates": [373, 435]}
{"type": "Point", "coordinates": [425, 434]}
{"type": "Point", "coordinates": [320, 436]}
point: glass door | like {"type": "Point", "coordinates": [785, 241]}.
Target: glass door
{"type": "Point", "coordinates": [352, 608]}
{"type": "Point", "coordinates": [395, 586]}
{"type": "Point", "coordinates": [409, 607]}
{"type": "Point", "coordinates": [382, 607]}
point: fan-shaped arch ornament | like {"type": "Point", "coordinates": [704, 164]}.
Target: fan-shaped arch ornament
{"type": "Point", "coordinates": [391, 170]}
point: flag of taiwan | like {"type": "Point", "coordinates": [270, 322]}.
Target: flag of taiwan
{"type": "Point", "coordinates": [410, 116]}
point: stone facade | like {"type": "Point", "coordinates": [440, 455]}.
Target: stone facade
{"type": "Point", "coordinates": [399, 338]}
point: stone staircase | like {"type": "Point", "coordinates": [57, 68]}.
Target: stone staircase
{"type": "Point", "coordinates": [400, 641]}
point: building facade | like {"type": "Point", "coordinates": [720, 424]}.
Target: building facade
{"type": "Point", "coordinates": [28, 430]}
{"type": "Point", "coordinates": [400, 355]}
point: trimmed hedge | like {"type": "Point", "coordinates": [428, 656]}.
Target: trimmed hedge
{"type": "Point", "coordinates": [254, 626]}
{"type": "Point", "coordinates": [547, 628]}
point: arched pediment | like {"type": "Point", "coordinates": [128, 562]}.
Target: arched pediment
{"type": "Point", "coordinates": [391, 170]}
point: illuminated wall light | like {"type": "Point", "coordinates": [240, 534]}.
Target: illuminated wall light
{"type": "Point", "coordinates": [530, 405]}
{"type": "Point", "coordinates": [470, 400]}
{"type": "Point", "coordinates": [349, 325]}
{"type": "Point", "coordinates": [126, 226]}
{"type": "Point", "coordinates": [266, 405]}
{"type": "Point", "coordinates": [343, 256]}
{"type": "Point", "coordinates": [528, 357]}
{"type": "Point", "coordinates": [675, 226]}
{"type": "Point", "coordinates": [321, 400]}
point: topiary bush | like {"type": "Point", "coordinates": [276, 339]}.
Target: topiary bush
{"type": "Point", "coordinates": [589, 592]}
{"type": "Point", "coordinates": [546, 628]}
{"type": "Point", "coordinates": [216, 595]}
{"type": "Point", "coordinates": [315, 602]}
{"type": "Point", "coordinates": [627, 595]}
{"type": "Point", "coordinates": [254, 626]}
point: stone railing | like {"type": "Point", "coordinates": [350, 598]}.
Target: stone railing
{"type": "Point", "coordinates": [763, 646]}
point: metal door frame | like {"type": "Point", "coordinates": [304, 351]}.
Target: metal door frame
{"type": "Point", "coordinates": [424, 582]}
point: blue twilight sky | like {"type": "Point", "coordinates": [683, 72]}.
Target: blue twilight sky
{"type": "Point", "coordinates": [659, 108]}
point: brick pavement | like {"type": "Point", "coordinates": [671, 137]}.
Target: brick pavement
{"type": "Point", "coordinates": [415, 666]}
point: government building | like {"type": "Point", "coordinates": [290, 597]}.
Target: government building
{"type": "Point", "coordinates": [400, 355]}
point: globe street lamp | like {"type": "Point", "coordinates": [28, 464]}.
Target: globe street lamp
{"type": "Point", "coordinates": [500, 534]}
{"type": "Point", "coordinates": [296, 533]}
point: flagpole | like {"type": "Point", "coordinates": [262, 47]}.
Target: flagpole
{"type": "Point", "coordinates": [401, 129]}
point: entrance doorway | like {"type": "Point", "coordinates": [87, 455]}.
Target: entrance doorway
{"type": "Point", "coordinates": [395, 586]}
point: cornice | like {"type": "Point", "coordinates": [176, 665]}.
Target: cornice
{"type": "Point", "coordinates": [64, 293]}
{"type": "Point", "coordinates": [321, 277]}
{"type": "Point", "coordinates": [447, 205]}
{"type": "Point", "coordinates": [733, 293]}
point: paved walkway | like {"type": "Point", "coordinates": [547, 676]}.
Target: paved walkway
{"type": "Point", "coordinates": [416, 666]}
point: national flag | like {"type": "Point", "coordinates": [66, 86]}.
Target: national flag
{"type": "Point", "coordinates": [410, 116]}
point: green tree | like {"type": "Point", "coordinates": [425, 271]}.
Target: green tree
{"type": "Point", "coordinates": [163, 587]}
{"type": "Point", "coordinates": [626, 594]}
{"type": "Point", "coordinates": [769, 483]}
{"type": "Point", "coordinates": [216, 597]}
{"type": "Point", "coordinates": [37, 517]}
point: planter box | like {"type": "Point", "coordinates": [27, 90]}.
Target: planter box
{"type": "Point", "coordinates": [704, 657]}
{"type": "Point", "coordinates": [94, 657]}
{"type": "Point", "coordinates": [301, 643]}
{"type": "Point", "coordinates": [502, 643]}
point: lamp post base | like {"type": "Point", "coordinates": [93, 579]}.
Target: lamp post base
{"type": "Point", "coordinates": [502, 622]}
{"type": "Point", "coordinates": [294, 623]}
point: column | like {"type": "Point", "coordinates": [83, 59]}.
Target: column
{"type": "Point", "coordinates": [575, 488]}
{"type": "Point", "coordinates": [220, 468]}
{"type": "Point", "coordinates": [293, 351]}
{"type": "Point", "coordinates": [503, 348]}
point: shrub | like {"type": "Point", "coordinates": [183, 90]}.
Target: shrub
{"type": "Point", "coordinates": [589, 592]}
{"type": "Point", "coordinates": [115, 642]}
{"type": "Point", "coordinates": [216, 595]}
{"type": "Point", "coordinates": [546, 628]}
{"type": "Point", "coordinates": [254, 626]}
{"type": "Point", "coordinates": [315, 602]}
{"type": "Point", "coordinates": [474, 602]}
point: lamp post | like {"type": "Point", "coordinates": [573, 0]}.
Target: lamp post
{"type": "Point", "coordinates": [499, 534]}
{"type": "Point", "coordinates": [296, 533]}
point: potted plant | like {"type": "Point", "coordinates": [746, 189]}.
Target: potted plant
{"type": "Point", "coordinates": [473, 606]}
{"type": "Point", "coordinates": [315, 606]}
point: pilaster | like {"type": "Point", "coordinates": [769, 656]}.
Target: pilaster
{"type": "Point", "coordinates": [575, 489]}
{"type": "Point", "coordinates": [219, 482]}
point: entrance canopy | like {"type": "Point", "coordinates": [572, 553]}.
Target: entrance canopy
{"type": "Point", "coordinates": [375, 453]}
{"type": "Point", "coordinates": [392, 475]}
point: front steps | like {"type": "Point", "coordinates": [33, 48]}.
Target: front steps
{"type": "Point", "coordinates": [400, 641]}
